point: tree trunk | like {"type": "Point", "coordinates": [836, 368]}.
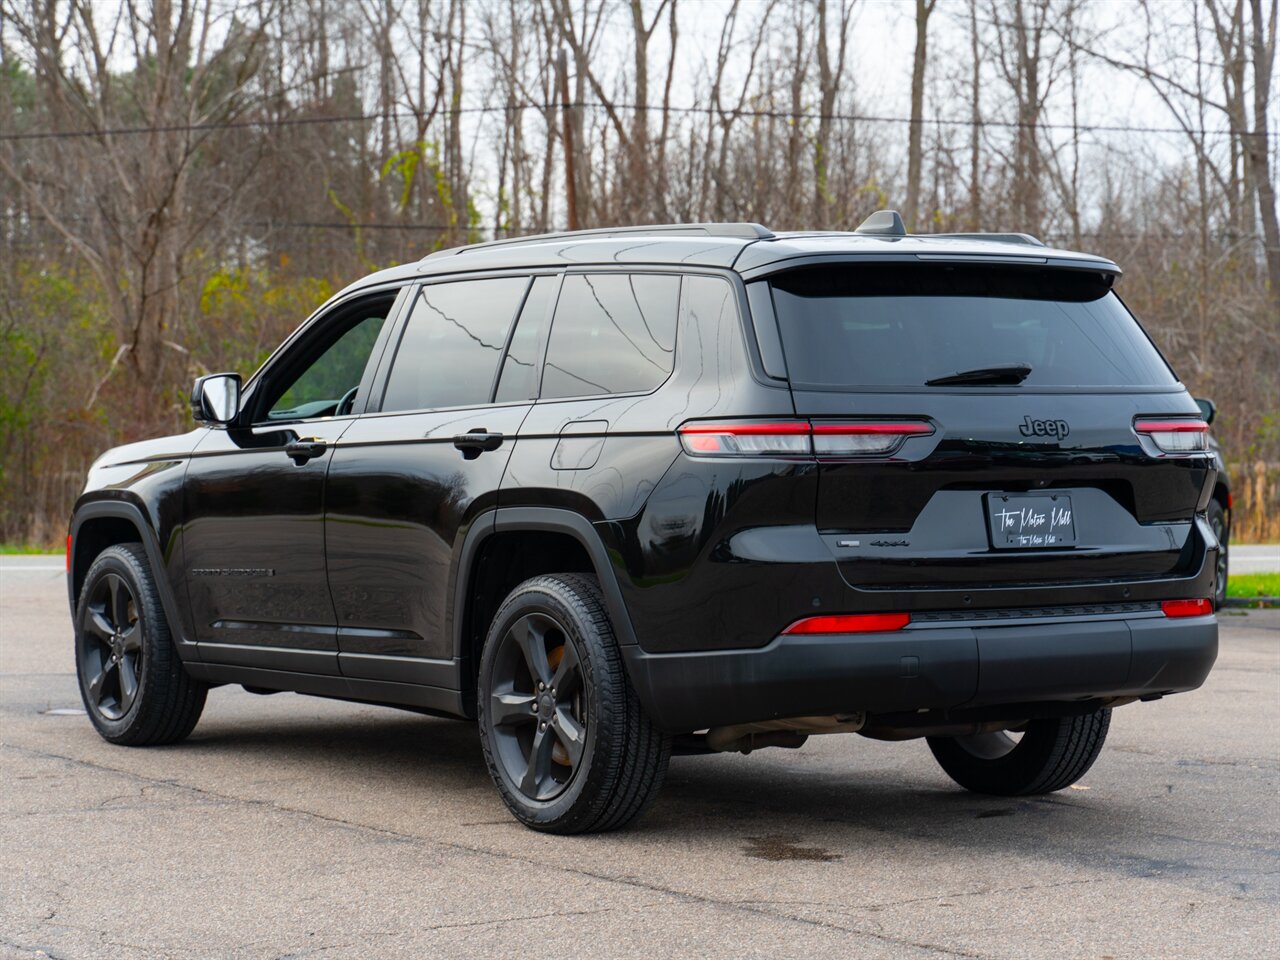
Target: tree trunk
{"type": "Point", "coordinates": [637, 187]}
{"type": "Point", "coordinates": [1263, 46]}
{"type": "Point", "coordinates": [915, 137]}
{"type": "Point", "coordinates": [975, 119]}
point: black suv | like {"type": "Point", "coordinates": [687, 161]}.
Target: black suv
{"type": "Point", "coordinates": [696, 488]}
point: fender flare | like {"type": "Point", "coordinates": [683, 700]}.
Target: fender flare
{"type": "Point", "coordinates": [547, 520]}
{"type": "Point", "coordinates": [124, 510]}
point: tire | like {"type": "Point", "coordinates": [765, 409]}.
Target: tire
{"type": "Point", "coordinates": [1218, 521]}
{"type": "Point", "coordinates": [554, 630]}
{"type": "Point", "coordinates": [121, 635]}
{"type": "Point", "coordinates": [1051, 755]}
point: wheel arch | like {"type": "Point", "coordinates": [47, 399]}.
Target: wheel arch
{"type": "Point", "coordinates": [100, 524]}
{"type": "Point", "coordinates": [1222, 493]}
{"type": "Point", "coordinates": [502, 549]}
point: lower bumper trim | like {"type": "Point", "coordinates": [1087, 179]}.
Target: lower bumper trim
{"type": "Point", "coordinates": [935, 669]}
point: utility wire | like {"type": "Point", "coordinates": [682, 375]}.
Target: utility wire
{"type": "Point", "coordinates": [291, 224]}
{"type": "Point", "coordinates": [1081, 128]}
{"type": "Point", "coordinates": [284, 225]}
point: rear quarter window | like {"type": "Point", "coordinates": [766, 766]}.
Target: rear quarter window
{"type": "Point", "coordinates": [612, 333]}
{"type": "Point", "coordinates": [899, 325]}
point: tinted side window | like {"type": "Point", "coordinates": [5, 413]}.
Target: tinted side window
{"type": "Point", "coordinates": [319, 376]}
{"type": "Point", "coordinates": [449, 351]}
{"type": "Point", "coordinates": [519, 380]}
{"type": "Point", "coordinates": [613, 333]}
{"type": "Point", "coordinates": [327, 381]}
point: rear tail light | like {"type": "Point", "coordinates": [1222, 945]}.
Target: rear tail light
{"type": "Point", "coordinates": [864, 439]}
{"type": "Point", "coordinates": [850, 623]}
{"type": "Point", "coordinates": [1176, 436]}
{"type": "Point", "coordinates": [799, 438]}
{"type": "Point", "coordinates": [775, 439]}
{"type": "Point", "coordinates": [1186, 608]}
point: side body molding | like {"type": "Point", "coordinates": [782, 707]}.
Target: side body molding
{"type": "Point", "coordinates": [132, 514]}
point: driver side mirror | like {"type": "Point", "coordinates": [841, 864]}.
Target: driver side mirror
{"type": "Point", "coordinates": [216, 398]}
{"type": "Point", "coordinates": [1207, 409]}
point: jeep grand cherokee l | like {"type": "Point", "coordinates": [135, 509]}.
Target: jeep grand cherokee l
{"type": "Point", "coordinates": [701, 487]}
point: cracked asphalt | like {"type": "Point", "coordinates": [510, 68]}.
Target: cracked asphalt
{"type": "Point", "coordinates": [290, 826]}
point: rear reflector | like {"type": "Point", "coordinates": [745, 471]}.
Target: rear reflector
{"type": "Point", "coordinates": [799, 438]}
{"type": "Point", "coordinates": [1186, 608]}
{"type": "Point", "coordinates": [68, 553]}
{"type": "Point", "coordinates": [850, 623]}
{"type": "Point", "coordinates": [1176, 436]}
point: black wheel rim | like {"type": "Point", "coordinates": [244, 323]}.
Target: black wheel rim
{"type": "Point", "coordinates": [111, 647]}
{"type": "Point", "coordinates": [1220, 571]}
{"type": "Point", "coordinates": [537, 707]}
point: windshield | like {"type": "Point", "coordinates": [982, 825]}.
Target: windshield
{"type": "Point", "coordinates": [901, 325]}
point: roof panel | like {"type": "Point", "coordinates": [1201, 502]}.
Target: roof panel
{"type": "Point", "coordinates": [752, 258]}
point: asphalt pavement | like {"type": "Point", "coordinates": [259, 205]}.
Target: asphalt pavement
{"type": "Point", "coordinates": [290, 826]}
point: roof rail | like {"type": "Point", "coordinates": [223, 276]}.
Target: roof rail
{"type": "Point", "coordinates": [998, 237]}
{"type": "Point", "coordinates": [741, 231]}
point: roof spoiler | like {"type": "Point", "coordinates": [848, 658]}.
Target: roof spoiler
{"type": "Point", "coordinates": [887, 223]}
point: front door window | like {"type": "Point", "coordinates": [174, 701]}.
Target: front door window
{"type": "Point", "coordinates": [324, 380]}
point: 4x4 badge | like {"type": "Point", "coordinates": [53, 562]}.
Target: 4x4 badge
{"type": "Point", "coordinates": [1044, 428]}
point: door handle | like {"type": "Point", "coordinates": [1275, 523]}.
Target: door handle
{"type": "Point", "coordinates": [477, 441]}
{"type": "Point", "coordinates": [300, 451]}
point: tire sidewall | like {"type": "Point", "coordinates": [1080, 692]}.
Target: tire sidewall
{"type": "Point", "coordinates": [1048, 758]}
{"type": "Point", "coordinates": [1022, 764]}
{"type": "Point", "coordinates": [540, 597]}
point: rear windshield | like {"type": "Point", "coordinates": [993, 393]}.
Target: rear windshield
{"type": "Point", "coordinates": [899, 325]}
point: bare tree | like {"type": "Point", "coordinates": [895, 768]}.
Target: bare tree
{"type": "Point", "coordinates": [919, 63]}
{"type": "Point", "coordinates": [830, 77]}
{"type": "Point", "coordinates": [122, 202]}
{"type": "Point", "coordinates": [1262, 46]}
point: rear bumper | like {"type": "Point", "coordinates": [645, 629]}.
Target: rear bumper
{"type": "Point", "coordinates": [927, 667]}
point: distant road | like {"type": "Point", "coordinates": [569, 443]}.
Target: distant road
{"type": "Point", "coordinates": [1255, 558]}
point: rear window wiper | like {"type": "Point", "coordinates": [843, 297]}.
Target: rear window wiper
{"type": "Point", "coordinates": [1003, 374]}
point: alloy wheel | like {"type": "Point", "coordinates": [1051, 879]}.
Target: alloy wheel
{"type": "Point", "coordinates": [990, 746]}
{"type": "Point", "coordinates": [538, 707]}
{"type": "Point", "coordinates": [111, 647]}
{"type": "Point", "coordinates": [1220, 569]}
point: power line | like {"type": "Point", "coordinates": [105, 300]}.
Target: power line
{"type": "Point", "coordinates": [1155, 233]}
{"type": "Point", "coordinates": [346, 225]}
{"type": "Point", "coordinates": [757, 113]}
{"type": "Point", "coordinates": [271, 224]}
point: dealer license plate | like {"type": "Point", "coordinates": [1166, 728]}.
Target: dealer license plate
{"type": "Point", "coordinates": [1019, 521]}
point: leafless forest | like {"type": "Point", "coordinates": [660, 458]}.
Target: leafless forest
{"type": "Point", "coordinates": [182, 181]}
